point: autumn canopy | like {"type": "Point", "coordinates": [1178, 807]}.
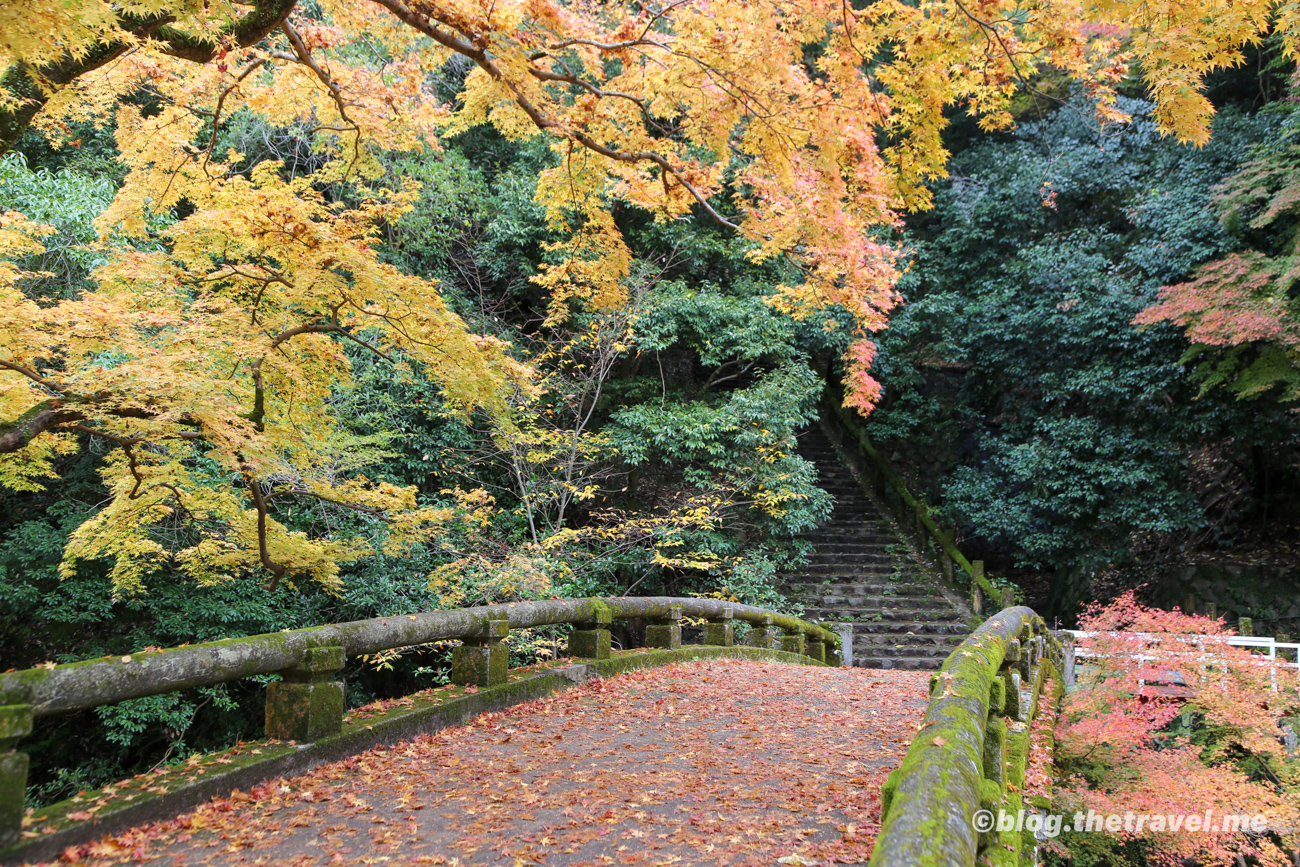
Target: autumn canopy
{"type": "Point", "coordinates": [210, 346]}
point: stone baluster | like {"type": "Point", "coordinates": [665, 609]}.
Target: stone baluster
{"type": "Point", "coordinates": [15, 724]}
{"type": "Point", "coordinates": [761, 634]}
{"type": "Point", "coordinates": [720, 631]}
{"type": "Point", "coordinates": [794, 641]}
{"type": "Point", "coordinates": [308, 704]}
{"type": "Point", "coordinates": [482, 660]}
{"type": "Point", "coordinates": [816, 648]}
{"type": "Point", "coordinates": [591, 640]}
{"type": "Point", "coordinates": [945, 559]}
{"type": "Point", "coordinates": [665, 630]}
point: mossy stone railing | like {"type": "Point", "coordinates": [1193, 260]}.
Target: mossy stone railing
{"type": "Point", "coordinates": [972, 749]}
{"type": "Point", "coordinates": [307, 704]}
{"type": "Point", "coordinates": [911, 513]}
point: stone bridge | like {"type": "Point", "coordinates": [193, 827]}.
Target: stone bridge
{"type": "Point", "coordinates": [763, 752]}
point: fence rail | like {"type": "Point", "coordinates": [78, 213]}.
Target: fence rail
{"type": "Point", "coordinates": [307, 704]}
{"type": "Point", "coordinates": [1269, 645]}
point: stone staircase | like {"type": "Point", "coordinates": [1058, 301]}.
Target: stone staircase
{"type": "Point", "coordinates": [862, 573]}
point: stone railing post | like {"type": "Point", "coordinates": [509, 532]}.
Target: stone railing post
{"type": "Point", "coordinates": [308, 704]}
{"type": "Point", "coordinates": [762, 634]}
{"type": "Point", "coordinates": [15, 724]}
{"type": "Point", "coordinates": [1245, 626]}
{"type": "Point", "coordinates": [945, 560]}
{"type": "Point", "coordinates": [482, 660]}
{"type": "Point", "coordinates": [794, 642]}
{"type": "Point", "coordinates": [977, 595]}
{"type": "Point", "coordinates": [591, 640]}
{"type": "Point", "coordinates": [843, 653]}
{"type": "Point", "coordinates": [1010, 675]}
{"type": "Point", "coordinates": [720, 631]}
{"type": "Point", "coordinates": [665, 630]}
{"type": "Point", "coordinates": [816, 649]}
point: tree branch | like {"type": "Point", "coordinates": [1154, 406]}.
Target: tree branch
{"type": "Point", "coordinates": [258, 414]}
{"type": "Point", "coordinates": [33, 86]}
{"type": "Point", "coordinates": [443, 37]}
{"type": "Point", "coordinates": [47, 414]}
{"type": "Point", "coordinates": [277, 570]}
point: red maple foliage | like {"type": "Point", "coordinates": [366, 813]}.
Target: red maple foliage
{"type": "Point", "coordinates": [1169, 719]}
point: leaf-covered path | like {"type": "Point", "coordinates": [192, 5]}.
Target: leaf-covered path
{"type": "Point", "coordinates": [701, 763]}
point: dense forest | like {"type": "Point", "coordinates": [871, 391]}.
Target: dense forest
{"type": "Point", "coordinates": [1065, 375]}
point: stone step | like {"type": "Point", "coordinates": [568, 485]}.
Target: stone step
{"type": "Point", "coordinates": [870, 615]}
{"type": "Point", "coordinates": [836, 573]}
{"type": "Point", "coordinates": [906, 603]}
{"type": "Point", "coordinates": [881, 651]}
{"type": "Point", "coordinates": [836, 578]}
{"type": "Point", "coordinates": [839, 574]}
{"type": "Point", "coordinates": [871, 567]}
{"type": "Point", "coordinates": [903, 664]}
{"type": "Point", "coordinates": [917, 627]}
{"type": "Point", "coordinates": [864, 549]}
{"type": "Point", "coordinates": [902, 638]}
{"type": "Point", "coordinates": [863, 588]}
{"type": "Point", "coordinates": [898, 618]}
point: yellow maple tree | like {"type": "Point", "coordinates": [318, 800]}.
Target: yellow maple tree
{"type": "Point", "coordinates": [805, 127]}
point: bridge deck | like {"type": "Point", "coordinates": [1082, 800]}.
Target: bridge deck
{"type": "Point", "coordinates": [708, 762]}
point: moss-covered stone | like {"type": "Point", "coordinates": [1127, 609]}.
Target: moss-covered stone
{"type": "Point", "coordinates": [665, 629]}
{"type": "Point", "coordinates": [794, 643]}
{"type": "Point", "coordinates": [590, 643]}
{"type": "Point", "coordinates": [480, 664]}
{"type": "Point", "coordinates": [663, 635]}
{"type": "Point", "coordinates": [1011, 705]}
{"type": "Point", "coordinates": [1012, 656]}
{"type": "Point", "coordinates": [1005, 851]}
{"type": "Point", "coordinates": [720, 631]}
{"type": "Point", "coordinates": [1017, 754]}
{"type": "Point", "coordinates": [995, 750]}
{"type": "Point", "coordinates": [887, 792]}
{"type": "Point", "coordinates": [15, 724]}
{"type": "Point", "coordinates": [308, 703]}
{"type": "Point", "coordinates": [316, 664]}
{"type": "Point", "coordinates": [482, 660]}
{"type": "Point", "coordinates": [941, 781]}
{"type": "Point", "coordinates": [304, 712]}
{"type": "Point", "coordinates": [990, 800]}
{"type": "Point", "coordinates": [997, 695]}
{"type": "Point", "coordinates": [816, 650]}
{"type": "Point", "coordinates": [761, 634]}
{"type": "Point", "coordinates": [94, 682]}
{"type": "Point", "coordinates": [13, 788]}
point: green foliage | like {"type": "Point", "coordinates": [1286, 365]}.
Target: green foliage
{"type": "Point", "coordinates": [1051, 427]}
{"type": "Point", "coordinates": [68, 201]}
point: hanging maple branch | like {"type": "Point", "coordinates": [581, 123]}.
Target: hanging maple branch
{"type": "Point", "coordinates": [32, 85]}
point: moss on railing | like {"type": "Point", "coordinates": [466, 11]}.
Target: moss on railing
{"type": "Point", "coordinates": [971, 751]}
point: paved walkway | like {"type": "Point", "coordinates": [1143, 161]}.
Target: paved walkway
{"type": "Point", "coordinates": [714, 762]}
